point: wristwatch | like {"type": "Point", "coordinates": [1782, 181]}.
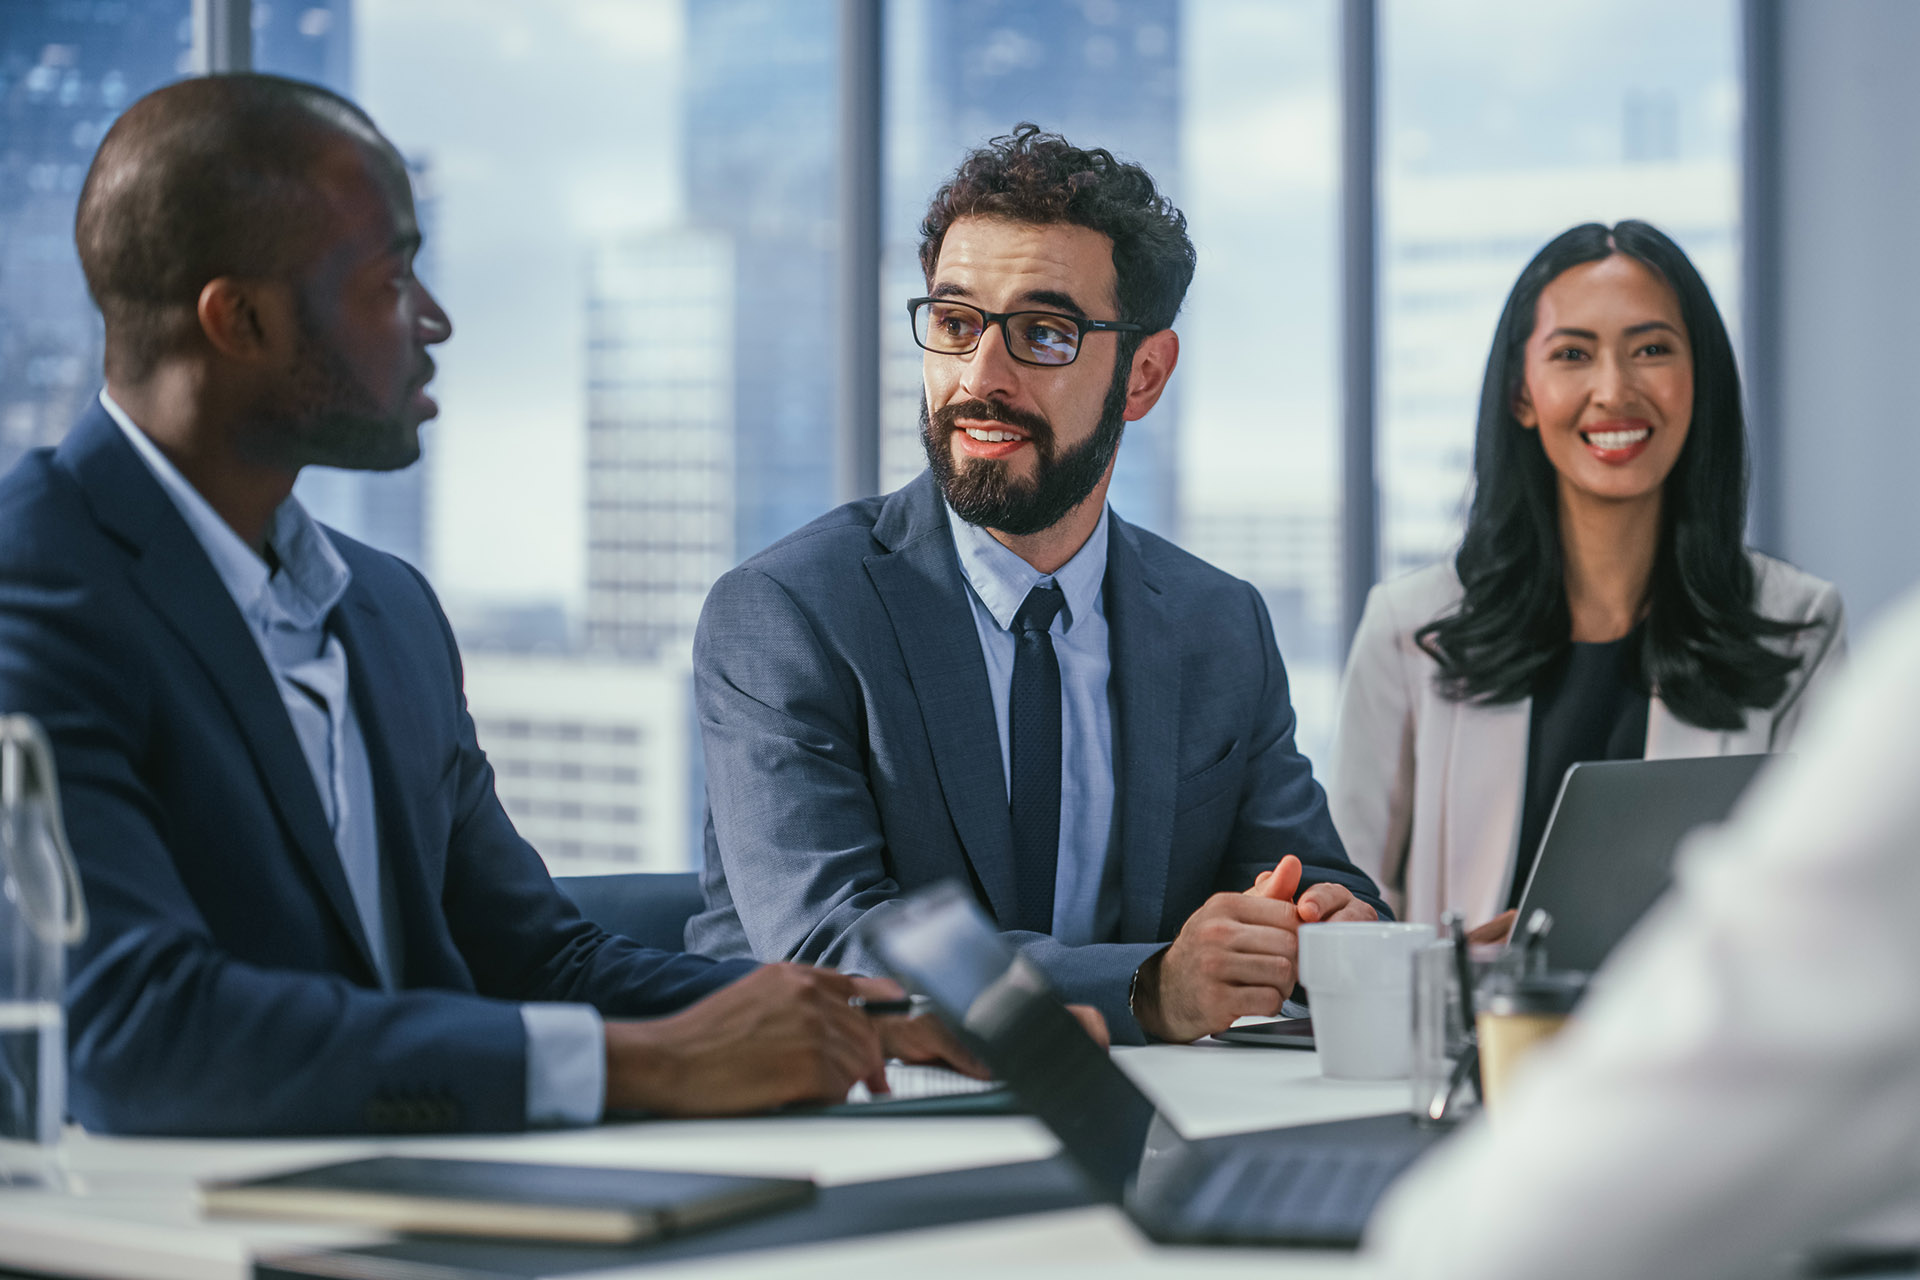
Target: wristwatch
{"type": "Point", "coordinates": [1133, 984]}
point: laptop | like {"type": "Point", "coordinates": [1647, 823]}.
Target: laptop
{"type": "Point", "coordinates": [1607, 852]}
{"type": "Point", "coordinates": [1311, 1185]}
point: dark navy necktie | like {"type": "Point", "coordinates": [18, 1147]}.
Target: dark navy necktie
{"type": "Point", "coordinates": [1034, 722]}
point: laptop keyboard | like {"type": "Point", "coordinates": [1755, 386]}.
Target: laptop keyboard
{"type": "Point", "coordinates": [1314, 1194]}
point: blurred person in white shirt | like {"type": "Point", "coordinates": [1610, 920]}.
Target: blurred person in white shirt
{"type": "Point", "coordinates": [1744, 1079]}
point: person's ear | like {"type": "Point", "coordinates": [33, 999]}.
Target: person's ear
{"type": "Point", "coordinates": [1153, 362]}
{"type": "Point", "coordinates": [1523, 410]}
{"type": "Point", "coordinates": [247, 321]}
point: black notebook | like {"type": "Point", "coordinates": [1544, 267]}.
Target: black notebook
{"type": "Point", "coordinates": [506, 1200]}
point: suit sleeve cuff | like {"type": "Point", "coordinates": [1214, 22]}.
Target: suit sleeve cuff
{"type": "Point", "coordinates": [566, 1064]}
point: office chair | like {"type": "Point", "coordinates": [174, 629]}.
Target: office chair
{"type": "Point", "coordinates": [652, 908]}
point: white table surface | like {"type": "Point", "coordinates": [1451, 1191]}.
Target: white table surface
{"type": "Point", "coordinates": [134, 1214]}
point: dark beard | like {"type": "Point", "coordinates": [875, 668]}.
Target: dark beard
{"type": "Point", "coordinates": [326, 418]}
{"type": "Point", "coordinates": [982, 491]}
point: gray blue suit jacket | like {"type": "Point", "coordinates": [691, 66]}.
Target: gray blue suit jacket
{"type": "Point", "coordinates": [852, 753]}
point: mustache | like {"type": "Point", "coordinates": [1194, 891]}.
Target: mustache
{"type": "Point", "coordinates": [947, 419]}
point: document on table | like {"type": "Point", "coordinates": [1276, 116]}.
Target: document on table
{"type": "Point", "coordinates": [922, 1080]}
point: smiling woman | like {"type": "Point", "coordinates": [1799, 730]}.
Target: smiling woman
{"type": "Point", "coordinates": [1602, 605]}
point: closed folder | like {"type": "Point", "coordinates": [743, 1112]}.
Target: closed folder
{"type": "Point", "coordinates": [506, 1200]}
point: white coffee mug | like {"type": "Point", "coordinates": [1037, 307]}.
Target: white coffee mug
{"type": "Point", "coordinates": [1359, 981]}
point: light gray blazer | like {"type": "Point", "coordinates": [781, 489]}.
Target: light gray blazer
{"type": "Point", "coordinates": [1426, 792]}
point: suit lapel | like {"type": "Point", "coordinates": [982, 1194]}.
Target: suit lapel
{"type": "Point", "coordinates": [393, 741]}
{"type": "Point", "coordinates": [178, 580]}
{"type": "Point", "coordinates": [1671, 738]}
{"type": "Point", "coordinates": [918, 581]}
{"type": "Point", "coordinates": [1486, 776]}
{"type": "Point", "coordinates": [1145, 650]}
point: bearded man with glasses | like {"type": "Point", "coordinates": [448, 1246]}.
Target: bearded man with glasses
{"type": "Point", "coordinates": [990, 677]}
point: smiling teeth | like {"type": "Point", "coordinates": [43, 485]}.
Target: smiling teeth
{"type": "Point", "coordinates": [992, 437]}
{"type": "Point", "coordinates": [1617, 439]}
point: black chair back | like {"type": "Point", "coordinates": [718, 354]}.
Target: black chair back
{"type": "Point", "coordinates": [651, 907]}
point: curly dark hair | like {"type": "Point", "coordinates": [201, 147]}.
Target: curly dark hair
{"type": "Point", "coordinates": [1033, 176]}
{"type": "Point", "coordinates": [1703, 648]}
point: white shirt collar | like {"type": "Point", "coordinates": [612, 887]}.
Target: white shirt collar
{"type": "Point", "coordinates": [1002, 579]}
{"type": "Point", "coordinates": [313, 577]}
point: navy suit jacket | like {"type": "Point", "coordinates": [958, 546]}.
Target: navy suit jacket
{"type": "Point", "coordinates": [852, 753]}
{"type": "Point", "coordinates": [226, 985]}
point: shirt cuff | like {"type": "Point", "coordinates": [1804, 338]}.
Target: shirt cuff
{"type": "Point", "coordinates": [566, 1064]}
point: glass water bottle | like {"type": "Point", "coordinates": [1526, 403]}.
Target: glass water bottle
{"type": "Point", "coordinates": [41, 915]}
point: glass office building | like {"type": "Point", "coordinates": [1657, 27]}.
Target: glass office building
{"type": "Point", "coordinates": [66, 71]}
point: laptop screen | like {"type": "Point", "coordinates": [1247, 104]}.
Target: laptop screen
{"type": "Point", "coordinates": [1607, 853]}
{"type": "Point", "coordinates": [941, 945]}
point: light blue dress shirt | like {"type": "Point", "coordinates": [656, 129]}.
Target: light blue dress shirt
{"type": "Point", "coordinates": [1086, 888]}
{"type": "Point", "coordinates": [286, 611]}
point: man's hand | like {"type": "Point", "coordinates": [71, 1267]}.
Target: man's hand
{"type": "Point", "coordinates": [1093, 1022]}
{"type": "Point", "coordinates": [1236, 956]}
{"type": "Point", "coordinates": [924, 1038]}
{"type": "Point", "coordinates": [784, 1033]}
{"type": "Point", "coordinates": [1321, 903]}
{"type": "Point", "coordinates": [917, 1038]}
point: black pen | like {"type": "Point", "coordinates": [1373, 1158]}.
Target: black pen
{"type": "Point", "coordinates": [1469, 1063]}
{"type": "Point", "coordinates": [1462, 969]}
{"type": "Point", "coordinates": [905, 1006]}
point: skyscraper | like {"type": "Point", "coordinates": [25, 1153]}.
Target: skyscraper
{"type": "Point", "coordinates": [66, 72]}
{"type": "Point", "coordinates": [590, 757]}
{"type": "Point", "coordinates": [759, 149]}
{"type": "Point", "coordinates": [660, 437]}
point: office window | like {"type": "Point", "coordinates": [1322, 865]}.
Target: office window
{"type": "Point", "coordinates": [612, 193]}
{"type": "Point", "coordinates": [67, 69]}
{"type": "Point", "coordinates": [1230, 105]}
{"type": "Point", "coordinates": [1259, 453]}
{"type": "Point", "coordinates": [615, 194]}
{"type": "Point", "coordinates": [1503, 124]}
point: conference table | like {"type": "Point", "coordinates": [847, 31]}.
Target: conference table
{"type": "Point", "coordinates": [132, 1211]}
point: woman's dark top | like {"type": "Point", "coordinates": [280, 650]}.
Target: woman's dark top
{"type": "Point", "coordinates": [1588, 705]}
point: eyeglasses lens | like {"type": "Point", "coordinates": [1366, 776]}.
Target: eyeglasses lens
{"type": "Point", "coordinates": [1043, 339]}
{"type": "Point", "coordinates": [948, 326]}
{"type": "Point", "coordinates": [1036, 337]}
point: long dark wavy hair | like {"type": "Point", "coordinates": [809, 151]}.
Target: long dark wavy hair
{"type": "Point", "coordinates": [1701, 648]}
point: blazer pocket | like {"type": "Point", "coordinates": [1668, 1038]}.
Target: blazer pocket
{"type": "Point", "coordinates": [1222, 777]}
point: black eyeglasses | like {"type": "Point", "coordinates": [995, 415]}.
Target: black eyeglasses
{"type": "Point", "coordinates": [1044, 338]}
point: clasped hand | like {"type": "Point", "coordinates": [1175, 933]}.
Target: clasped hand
{"type": "Point", "coordinates": [1238, 955]}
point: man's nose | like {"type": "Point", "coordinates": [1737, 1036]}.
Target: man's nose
{"type": "Point", "coordinates": [433, 323]}
{"type": "Point", "coordinates": [991, 370]}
